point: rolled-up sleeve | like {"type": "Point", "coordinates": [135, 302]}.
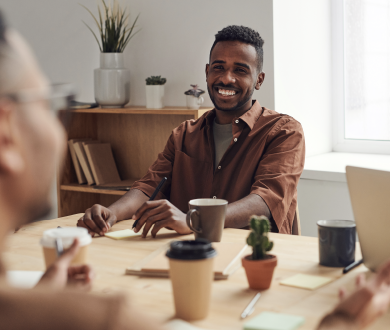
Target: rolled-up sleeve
{"type": "Point", "coordinates": [162, 167]}
{"type": "Point", "coordinates": [280, 167]}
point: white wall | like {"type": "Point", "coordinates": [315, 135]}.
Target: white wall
{"type": "Point", "coordinates": [322, 200]}
{"type": "Point", "coordinates": [302, 59]}
{"type": "Point", "coordinates": [174, 42]}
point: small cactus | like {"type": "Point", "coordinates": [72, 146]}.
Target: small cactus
{"type": "Point", "coordinates": [155, 80]}
{"type": "Point", "coordinates": [258, 238]}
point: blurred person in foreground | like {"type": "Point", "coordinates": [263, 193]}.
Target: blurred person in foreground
{"type": "Point", "coordinates": [31, 142]}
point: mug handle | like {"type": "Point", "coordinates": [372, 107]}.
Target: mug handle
{"type": "Point", "coordinates": [200, 100]}
{"type": "Point", "coordinates": [188, 220]}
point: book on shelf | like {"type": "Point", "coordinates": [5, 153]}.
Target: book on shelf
{"type": "Point", "coordinates": [76, 163]}
{"type": "Point", "coordinates": [95, 165]}
{"type": "Point", "coordinates": [102, 163]}
{"type": "Point", "coordinates": [156, 264]}
{"type": "Point", "coordinates": [82, 157]}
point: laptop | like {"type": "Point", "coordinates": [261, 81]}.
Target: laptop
{"type": "Point", "coordinates": [370, 198]}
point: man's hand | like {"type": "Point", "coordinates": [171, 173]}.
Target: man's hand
{"type": "Point", "coordinates": [160, 214]}
{"type": "Point", "coordinates": [98, 220]}
{"type": "Point", "coordinates": [60, 274]}
{"type": "Point", "coordinates": [367, 303]}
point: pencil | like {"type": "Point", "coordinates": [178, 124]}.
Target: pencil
{"type": "Point", "coordinates": [160, 185]}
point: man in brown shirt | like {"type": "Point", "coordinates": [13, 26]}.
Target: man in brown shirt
{"type": "Point", "coordinates": [258, 172]}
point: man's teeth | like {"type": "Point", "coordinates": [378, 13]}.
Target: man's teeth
{"type": "Point", "coordinates": [226, 92]}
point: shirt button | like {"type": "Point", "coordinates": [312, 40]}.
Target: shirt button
{"type": "Point", "coordinates": [237, 121]}
{"type": "Point", "coordinates": [219, 167]}
{"type": "Point", "coordinates": [235, 140]}
{"type": "Point", "coordinates": [214, 197]}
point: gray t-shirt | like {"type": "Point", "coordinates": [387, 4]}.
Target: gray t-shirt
{"type": "Point", "coordinates": [223, 135]}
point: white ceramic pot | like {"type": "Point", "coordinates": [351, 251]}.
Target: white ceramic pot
{"type": "Point", "coordinates": [112, 81]}
{"type": "Point", "coordinates": [194, 102]}
{"type": "Point", "coordinates": [154, 96]}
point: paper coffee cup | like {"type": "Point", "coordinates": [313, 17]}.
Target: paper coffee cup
{"type": "Point", "coordinates": [191, 272]}
{"type": "Point", "coordinates": [67, 236]}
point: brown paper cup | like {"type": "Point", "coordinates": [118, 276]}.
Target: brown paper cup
{"type": "Point", "coordinates": [80, 258]}
{"type": "Point", "coordinates": [67, 236]}
{"type": "Point", "coordinates": [191, 284]}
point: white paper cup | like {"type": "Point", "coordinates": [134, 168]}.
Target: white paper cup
{"type": "Point", "coordinates": [67, 236]}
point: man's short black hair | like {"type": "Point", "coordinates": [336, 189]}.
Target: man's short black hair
{"type": "Point", "coordinates": [243, 34]}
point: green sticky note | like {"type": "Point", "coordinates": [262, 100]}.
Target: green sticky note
{"type": "Point", "coordinates": [122, 234]}
{"type": "Point", "coordinates": [274, 321]}
{"type": "Point", "coordinates": [304, 281]}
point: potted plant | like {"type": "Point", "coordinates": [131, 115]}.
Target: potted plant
{"type": "Point", "coordinates": [193, 97]}
{"type": "Point", "coordinates": [155, 92]}
{"type": "Point", "coordinates": [259, 266]}
{"type": "Point", "coordinates": [112, 79]}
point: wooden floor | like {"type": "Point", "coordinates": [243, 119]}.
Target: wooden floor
{"type": "Point", "coordinates": [110, 258]}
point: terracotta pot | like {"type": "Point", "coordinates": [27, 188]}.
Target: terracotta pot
{"type": "Point", "coordinates": [259, 272]}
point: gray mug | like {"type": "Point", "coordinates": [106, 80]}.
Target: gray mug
{"type": "Point", "coordinates": [206, 218]}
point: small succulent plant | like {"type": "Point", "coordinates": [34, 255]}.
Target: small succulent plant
{"type": "Point", "coordinates": [195, 91]}
{"type": "Point", "coordinates": [258, 238]}
{"type": "Point", "coordinates": [155, 80]}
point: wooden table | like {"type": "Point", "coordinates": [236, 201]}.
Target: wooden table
{"type": "Point", "coordinates": [296, 254]}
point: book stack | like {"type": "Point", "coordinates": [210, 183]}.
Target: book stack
{"type": "Point", "coordinates": [94, 164]}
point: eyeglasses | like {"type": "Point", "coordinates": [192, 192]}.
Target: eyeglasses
{"type": "Point", "coordinates": [59, 98]}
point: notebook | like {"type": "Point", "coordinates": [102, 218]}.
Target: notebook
{"type": "Point", "coordinates": [122, 234]}
{"type": "Point", "coordinates": [227, 261]}
{"type": "Point", "coordinates": [274, 321]}
{"type": "Point", "coordinates": [304, 281]}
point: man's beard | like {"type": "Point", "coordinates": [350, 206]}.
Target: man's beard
{"type": "Point", "coordinates": [239, 104]}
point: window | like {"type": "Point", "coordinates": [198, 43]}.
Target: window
{"type": "Point", "coordinates": [361, 75]}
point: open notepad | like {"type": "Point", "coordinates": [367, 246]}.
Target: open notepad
{"type": "Point", "coordinates": [227, 261]}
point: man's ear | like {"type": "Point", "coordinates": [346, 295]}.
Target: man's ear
{"type": "Point", "coordinates": [207, 70]}
{"type": "Point", "coordinates": [260, 80]}
{"type": "Point", "coordinates": [11, 160]}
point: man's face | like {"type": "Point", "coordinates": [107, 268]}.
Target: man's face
{"type": "Point", "coordinates": [232, 75]}
{"type": "Point", "coordinates": [37, 140]}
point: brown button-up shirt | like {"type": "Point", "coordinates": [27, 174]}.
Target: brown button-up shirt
{"type": "Point", "coordinates": [265, 157]}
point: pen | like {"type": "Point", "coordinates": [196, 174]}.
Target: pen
{"type": "Point", "coordinates": [352, 266]}
{"type": "Point", "coordinates": [160, 185]}
{"type": "Point", "coordinates": [251, 306]}
{"type": "Point", "coordinates": [59, 247]}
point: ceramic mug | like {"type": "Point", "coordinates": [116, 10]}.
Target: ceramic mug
{"type": "Point", "coordinates": [206, 218]}
{"type": "Point", "coordinates": [194, 102]}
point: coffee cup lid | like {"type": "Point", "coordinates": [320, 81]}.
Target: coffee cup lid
{"type": "Point", "coordinates": [191, 250]}
{"type": "Point", "coordinates": [67, 234]}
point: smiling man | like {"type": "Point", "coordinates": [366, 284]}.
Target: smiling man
{"type": "Point", "coordinates": [240, 151]}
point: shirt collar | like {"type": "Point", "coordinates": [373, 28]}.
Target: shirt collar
{"type": "Point", "coordinates": [250, 117]}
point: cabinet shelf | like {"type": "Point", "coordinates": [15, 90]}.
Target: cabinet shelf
{"type": "Point", "coordinates": [90, 189]}
{"type": "Point", "coordinates": [134, 110]}
{"type": "Point", "coordinates": [136, 134]}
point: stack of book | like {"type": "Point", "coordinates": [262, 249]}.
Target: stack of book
{"type": "Point", "coordinates": [94, 164]}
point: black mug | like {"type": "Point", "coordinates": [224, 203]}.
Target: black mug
{"type": "Point", "coordinates": [337, 240]}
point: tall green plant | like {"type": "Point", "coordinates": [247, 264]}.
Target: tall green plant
{"type": "Point", "coordinates": [115, 32]}
{"type": "Point", "coordinates": [258, 238]}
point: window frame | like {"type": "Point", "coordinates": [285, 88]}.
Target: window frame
{"type": "Point", "coordinates": [340, 143]}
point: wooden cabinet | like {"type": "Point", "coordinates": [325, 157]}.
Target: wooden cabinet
{"type": "Point", "coordinates": [136, 135]}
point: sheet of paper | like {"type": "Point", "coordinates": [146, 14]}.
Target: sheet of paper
{"type": "Point", "coordinates": [180, 325]}
{"type": "Point", "coordinates": [274, 321]}
{"type": "Point", "coordinates": [305, 281]}
{"type": "Point", "coordinates": [122, 234]}
{"type": "Point", "coordinates": [24, 279]}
